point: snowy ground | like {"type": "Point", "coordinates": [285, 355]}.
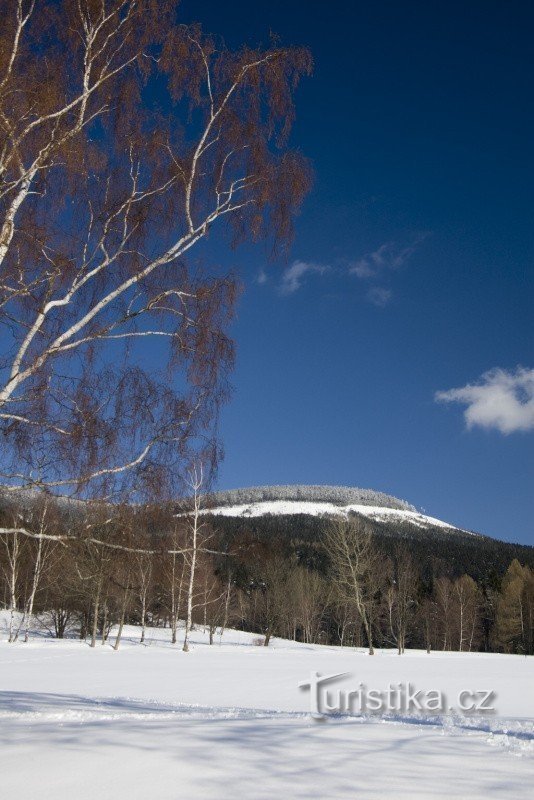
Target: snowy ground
{"type": "Point", "coordinates": [229, 721]}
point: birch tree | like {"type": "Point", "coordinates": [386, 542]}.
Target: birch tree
{"type": "Point", "coordinates": [13, 549]}
{"type": "Point", "coordinates": [95, 565]}
{"type": "Point", "coordinates": [195, 483]}
{"type": "Point", "coordinates": [400, 597]}
{"type": "Point", "coordinates": [143, 567]}
{"type": "Point", "coordinates": [42, 552]}
{"type": "Point", "coordinates": [310, 597]}
{"type": "Point", "coordinates": [125, 140]}
{"type": "Point", "coordinates": [174, 574]}
{"type": "Point", "coordinates": [125, 593]}
{"type": "Point", "coordinates": [354, 563]}
{"type": "Point", "coordinates": [468, 604]}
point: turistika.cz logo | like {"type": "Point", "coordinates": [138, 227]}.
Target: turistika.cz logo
{"type": "Point", "coordinates": [396, 698]}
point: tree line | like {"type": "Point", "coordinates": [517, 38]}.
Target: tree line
{"type": "Point", "coordinates": [87, 575]}
{"type": "Point", "coordinates": [338, 495]}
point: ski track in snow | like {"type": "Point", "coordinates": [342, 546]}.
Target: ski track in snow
{"type": "Point", "coordinates": [513, 735]}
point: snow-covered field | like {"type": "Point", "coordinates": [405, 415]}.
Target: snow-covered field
{"type": "Point", "coordinates": [319, 509]}
{"type": "Point", "coordinates": [229, 721]}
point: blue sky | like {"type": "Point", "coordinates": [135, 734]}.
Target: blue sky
{"type": "Point", "coordinates": [411, 270]}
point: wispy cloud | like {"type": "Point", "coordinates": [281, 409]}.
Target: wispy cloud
{"type": "Point", "coordinates": [377, 265]}
{"type": "Point", "coordinates": [501, 399]}
{"type": "Point", "coordinates": [293, 277]}
{"type": "Point", "coordinates": [261, 277]}
{"type": "Point", "coordinates": [373, 268]}
{"type": "Point", "coordinates": [379, 296]}
{"type": "Point", "coordinates": [389, 256]}
{"type": "Point", "coordinates": [369, 265]}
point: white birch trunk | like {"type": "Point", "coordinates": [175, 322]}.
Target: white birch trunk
{"type": "Point", "coordinates": [196, 480]}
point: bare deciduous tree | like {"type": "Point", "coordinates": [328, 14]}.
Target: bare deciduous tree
{"type": "Point", "coordinates": [195, 482]}
{"type": "Point", "coordinates": [94, 565]}
{"type": "Point", "coordinates": [41, 562]}
{"type": "Point", "coordinates": [400, 596]}
{"type": "Point", "coordinates": [175, 575]}
{"type": "Point", "coordinates": [354, 563]}
{"type": "Point", "coordinates": [310, 596]}
{"type": "Point", "coordinates": [468, 602]}
{"type": "Point", "coordinates": [271, 595]}
{"type": "Point", "coordinates": [143, 567]}
{"type": "Point", "coordinates": [13, 545]}
{"type": "Point", "coordinates": [125, 139]}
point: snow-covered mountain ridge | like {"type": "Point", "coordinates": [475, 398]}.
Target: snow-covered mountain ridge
{"type": "Point", "coordinates": [284, 507]}
{"type": "Point", "coordinates": [319, 501]}
{"type": "Point", "coordinates": [336, 495]}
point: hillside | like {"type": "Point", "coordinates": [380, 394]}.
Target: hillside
{"type": "Point", "coordinates": [294, 518]}
{"type": "Point", "coordinates": [321, 501]}
{"type": "Point", "coordinates": [297, 516]}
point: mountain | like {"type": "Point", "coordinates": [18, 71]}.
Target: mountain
{"type": "Point", "coordinates": [295, 518]}
{"type": "Point", "coordinates": [321, 501]}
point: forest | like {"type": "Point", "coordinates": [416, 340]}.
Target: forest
{"type": "Point", "coordinates": [338, 495]}
{"type": "Point", "coordinates": [81, 570]}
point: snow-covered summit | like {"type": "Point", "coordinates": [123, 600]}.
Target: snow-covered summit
{"type": "Point", "coordinates": [333, 495]}
{"type": "Point", "coordinates": [319, 501]}
{"type": "Point", "coordinates": [283, 507]}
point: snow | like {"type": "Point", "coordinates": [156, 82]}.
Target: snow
{"type": "Point", "coordinates": [228, 720]}
{"type": "Point", "coordinates": [317, 509]}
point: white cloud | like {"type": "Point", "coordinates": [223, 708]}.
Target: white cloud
{"type": "Point", "coordinates": [294, 275]}
{"type": "Point", "coordinates": [379, 296]}
{"type": "Point", "coordinates": [500, 399]}
{"type": "Point", "coordinates": [261, 277]}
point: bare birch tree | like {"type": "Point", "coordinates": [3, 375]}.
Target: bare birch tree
{"type": "Point", "coordinates": [195, 483]}
{"type": "Point", "coordinates": [144, 568]}
{"type": "Point", "coordinates": [95, 564]}
{"type": "Point", "coordinates": [229, 595]}
{"type": "Point", "coordinates": [310, 596]}
{"type": "Point", "coordinates": [271, 595]}
{"type": "Point", "coordinates": [468, 602]}
{"type": "Point", "coordinates": [174, 573]}
{"type": "Point", "coordinates": [125, 593]}
{"type": "Point", "coordinates": [400, 597]}
{"type": "Point", "coordinates": [354, 563]}
{"type": "Point", "coordinates": [13, 545]}
{"type": "Point", "coordinates": [44, 551]}
{"type": "Point", "coordinates": [106, 183]}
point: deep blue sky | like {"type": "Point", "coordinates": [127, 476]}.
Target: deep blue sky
{"type": "Point", "coordinates": [419, 121]}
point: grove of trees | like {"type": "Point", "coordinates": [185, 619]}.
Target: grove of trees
{"type": "Point", "coordinates": [88, 574]}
